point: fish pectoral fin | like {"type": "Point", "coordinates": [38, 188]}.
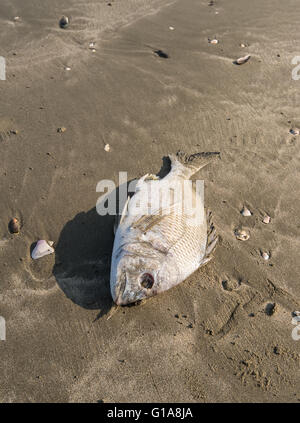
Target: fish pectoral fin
{"type": "Point", "coordinates": [187, 165]}
{"type": "Point", "coordinates": [212, 239]}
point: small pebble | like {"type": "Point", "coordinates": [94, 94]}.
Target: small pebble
{"type": "Point", "coordinates": [171, 28]}
{"type": "Point", "coordinates": [62, 129]}
{"type": "Point", "coordinates": [295, 131]}
{"type": "Point", "coordinates": [266, 219]}
{"type": "Point", "coordinates": [14, 226]}
{"type": "Point", "coordinates": [214, 41]}
{"type": "Point", "coordinates": [242, 234]}
{"type": "Point", "coordinates": [246, 212]}
{"type": "Point", "coordinates": [107, 148]}
{"type": "Point", "coordinates": [67, 68]}
{"type": "Point", "coordinates": [271, 308]}
{"type": "Point", "coordinates": [64, 22]}
{"type": "Point", "coordinates": [16, 18]}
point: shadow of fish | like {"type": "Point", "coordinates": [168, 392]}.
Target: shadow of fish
{"type": "Point", "coordinates": [164, 234]}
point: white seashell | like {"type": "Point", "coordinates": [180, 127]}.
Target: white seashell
{"type": "Point", "coordinates": [242, 60]}
{"type": "Point", "coordinates": [171, 28]}
{"type": "Point", "coordinates": [265, 255]}
{"type": "Point", "coordinates": [92, 45]}
{"type": "Point", "coordinates": [242, 45]}
{"type": "Point", "coordinates": [67, 68]}
{"type": "Point", "coordinates": [107, 147]}
{"type": "Point", "coordinates": [16, 18]}
{"type": "Point", "coordinates": [41, 249]}
{"type": "Point", "coordinates": [246, 212]}
{"type": "Point", "coordinates": [214, 41]}
{"type": "Point", "coordinates": [242, 234]}
{"type": "Point", "coordinates": [266, 219]}
{"type": "Point", "coordinates": [295, 131]}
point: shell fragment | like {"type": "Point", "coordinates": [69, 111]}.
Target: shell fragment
{"type": "Point", "coordinates": [241, 234]}
{"type": "Point", "coordinates": [266, 219]}
{"type": "Point", "coordinates": [246, 212]}
{"type": "Point", "coordinates": [64, 22]}
{"type": "Point", "coordinates": [265, 255]}
{"type": "Point", "coordinates": [242, 60]}
{"type": "Point", "coordinates": [42, 249]}
{"type": "Point", "coordinates": [14, 226]}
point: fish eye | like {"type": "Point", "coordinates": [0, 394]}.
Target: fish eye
{"type": "Point", "coordinates": [147, 280]}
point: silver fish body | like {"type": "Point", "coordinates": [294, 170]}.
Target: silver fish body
{"type": "Point", "coordinates": [159, 245]}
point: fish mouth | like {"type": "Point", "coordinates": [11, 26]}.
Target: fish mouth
{"type": "Point", "coordinates": [123, 297]}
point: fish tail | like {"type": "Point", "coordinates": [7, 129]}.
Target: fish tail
{"type": "Point", "coordinates": [190, 164]}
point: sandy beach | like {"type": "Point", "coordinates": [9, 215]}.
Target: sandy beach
{"type": "Point", "coordinates": [224, 334]}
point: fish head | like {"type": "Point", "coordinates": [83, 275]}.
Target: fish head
{"type": "Point", "coordinates": [135, 279]}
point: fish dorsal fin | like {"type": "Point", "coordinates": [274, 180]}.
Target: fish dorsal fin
{"type": "Point", "coordinates": [144, 179]}
{"type": "Point", "coordinates": [124, 212]}
{"type": "Point", "coordinates": [186, 165]}
{"type": "Point", "coordinates": [120, 217]}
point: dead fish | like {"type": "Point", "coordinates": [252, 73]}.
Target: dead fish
{"type": "Point", "coordinates": [242, 60]}
{"type": "Point", "coordinates": [155, 251]}
{"type": "Point", "coordinates": [42, 249]}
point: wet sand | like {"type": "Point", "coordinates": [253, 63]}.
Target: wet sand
{"type": "Point", "coordinates": [211, 338]}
